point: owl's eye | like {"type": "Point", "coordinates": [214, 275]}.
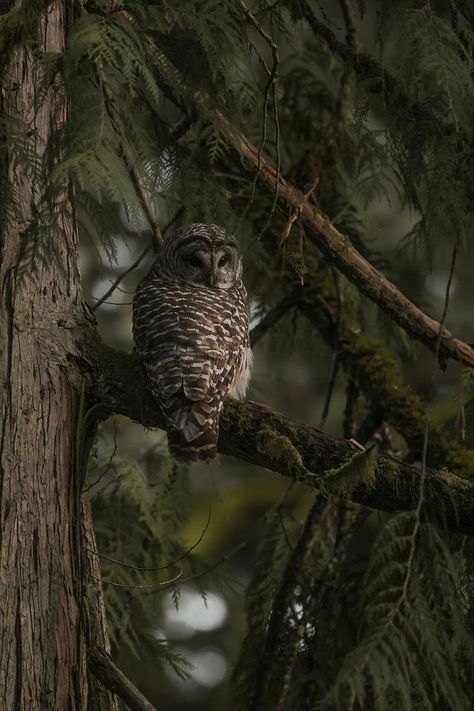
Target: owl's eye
{"type": "Point", "coordinates": [194, 261]}
{"type": "Point", "coordinates": [223, 260]}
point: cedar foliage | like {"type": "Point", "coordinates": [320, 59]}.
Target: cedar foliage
{"type": "Point", "coordinates": [389, 630]}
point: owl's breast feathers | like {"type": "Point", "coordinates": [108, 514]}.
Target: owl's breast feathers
{"type": "Point", "coordinates": [194, 344]}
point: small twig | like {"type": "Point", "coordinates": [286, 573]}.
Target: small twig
{"type": "Point", "coordinates": [130, 269]}
{"type": "Point", "coordinates": [121, 277]}
{"type": "Point", "coordinates": [240, 546]}
{"type": "Point", "coordinates": [272, 75]}
{"type": "Point", "coordinates": [296, 214]}
{"type": "Point", "coordinates": [110, 303]}
{"type": "Point", "coordinates": [421, 487]}
{"type": "Point", "coordinates": [102, 667]}
{"type": "Point", "coordinates": [161, 567]}
{"type": "Point", "coordinates": [108, 467]}
{"type": "Point", "coordinates": [335, 353]}
{"type": "Point", "coordinates": [154, 586]}
{"type": "Point", "coordinates": [271, 318]}
{"type": "Point", "coordinates": [153, 222]}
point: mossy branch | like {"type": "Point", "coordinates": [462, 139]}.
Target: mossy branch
{"type": "Point", "coordinates": [377, 375]}
{"type": "Point", "coordinates": [303, 453]}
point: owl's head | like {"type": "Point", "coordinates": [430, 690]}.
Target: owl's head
{"type": "Point", "coordinates": [203, 255]}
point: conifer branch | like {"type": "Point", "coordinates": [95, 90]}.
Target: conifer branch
{"type": "Point", "coordinates": [367, 67]}
{"type": "Point", "coordinates": [274, 645]}
{"type": "Point", "coordinates": [375, 374]}
{"type": "Point", "coordinates": [336, 247]}
{"type": "Point", "coordinates": [102, 666]}
{"type": "Point", "coordinates": [338, 250]}
{"type": "Point", "coordinates": [261, 436]}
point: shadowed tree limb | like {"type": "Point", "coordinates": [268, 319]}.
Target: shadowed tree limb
{"type": "Point", "coordinates": [261, 436]}
{"type": "Point", "coordinates": [338, 250]}
{"type": "Point", "coordinates": [102, 666]}
{"type": "Point", "coordinates": [383, 82]}
{"type": "Point", "coordinates": [376, 374]}
{"type": "Point", "coordinates": [336, 247]}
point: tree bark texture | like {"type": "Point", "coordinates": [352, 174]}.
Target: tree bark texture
{"type": "Point", "coordinates": [43, 662]}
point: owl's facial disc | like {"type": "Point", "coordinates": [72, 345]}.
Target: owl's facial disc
{"type": "Point", "coordinates": [211, 266]}
{"type": "Point", "coordinates": [195, 262]}
{"type": "Point", "coordinates": [225, 267]}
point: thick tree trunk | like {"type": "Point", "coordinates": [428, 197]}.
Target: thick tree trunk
{"type": "Point", "coordinates": [43, 633]}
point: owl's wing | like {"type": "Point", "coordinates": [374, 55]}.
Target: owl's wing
{"type": "Point", "coordinates": [183, 350]}
{"type": "Point", "coordinates": [190, 385]}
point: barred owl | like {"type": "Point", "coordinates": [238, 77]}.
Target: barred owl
{"type": "Point", "coordinates": [190, 329]}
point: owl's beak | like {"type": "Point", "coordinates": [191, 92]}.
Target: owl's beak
{"type": "Point", "coordinates": [211, 278]}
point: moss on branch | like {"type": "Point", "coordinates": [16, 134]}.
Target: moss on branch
{"type": "Point", "coordinates": [377, 374]}
{"type": "Point", "coordinates": [261, 436]}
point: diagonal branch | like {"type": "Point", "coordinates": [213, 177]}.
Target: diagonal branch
{"type": "Point", "coordinates": [336, 247]}
{"type": "Point", "coordinates": [261, 436]}
{"type": "Point", "coordinates": [375, 373]}
{"type": "Point", "coordinates": [338, 250]}
{"type": "Point", "coordinates": [272, 317]}
{"type": "Point", "coordinates": [102, 666]}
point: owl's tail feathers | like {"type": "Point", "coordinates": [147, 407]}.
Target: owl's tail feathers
{"type": "Point", "coordinates": [202, 447]}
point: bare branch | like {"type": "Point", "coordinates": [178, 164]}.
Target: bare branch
{"type": "Point", "coordinates": [102, 666]}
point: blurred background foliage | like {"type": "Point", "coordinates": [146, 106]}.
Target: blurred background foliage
{"type": "Point", "coordinates": [283, 600]}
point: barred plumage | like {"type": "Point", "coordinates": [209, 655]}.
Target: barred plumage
{"type": "Point", "coordinates": [190, 328]}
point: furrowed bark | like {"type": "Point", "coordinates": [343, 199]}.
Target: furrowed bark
{"type": "Point", "coordinates": [43, 655]}
{"type": "Point", "coordinates": [261, 436]}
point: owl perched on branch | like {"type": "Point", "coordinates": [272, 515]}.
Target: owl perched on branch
{"type": "Point", "coordinates": [190, 328]}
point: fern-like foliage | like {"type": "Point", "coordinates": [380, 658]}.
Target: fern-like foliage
{"type": "Point", "coordinates": [149, 504]}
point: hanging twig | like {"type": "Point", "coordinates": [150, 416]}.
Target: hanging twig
{"type": "Point", "coordinates": [107, 468]}
{"type": "Point", "coordinates": [422, 480]}
{"type": "Point", "coordinates": [161, 567]}
{"type": "Point", "coordinates": [272, 75]}
{"type": "Point", "coordinates": [154, 586]}
{"type": "Point", "coordinates": [335, 353]}
{"type": "Point", "coordinates": [121, 277]}
{"type": "Point", "coordinates": [296, 214]}
{"type": "Point", "coordinates": [130, 269]}
{"type": "Point", "coordinates": [240, 546]}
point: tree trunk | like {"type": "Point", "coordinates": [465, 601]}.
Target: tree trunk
{"type": "Point", "coordinates": [43, 630]}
